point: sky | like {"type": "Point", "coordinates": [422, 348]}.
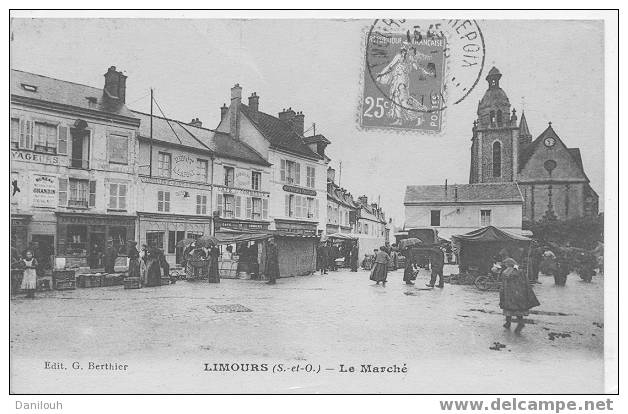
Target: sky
{"type": "Point", "coordinates": [553, 69]}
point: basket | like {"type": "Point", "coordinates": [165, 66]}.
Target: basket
{"type": "Point", "coordinates": [112, 279]}
{"type": "Point", "coordinates": [67, 284]}
{"type": "Point", "coordinates": [89, 281]}
{"type": "Point", "coordinates": [132, 283]}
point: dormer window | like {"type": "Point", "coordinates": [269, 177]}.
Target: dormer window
{"type": "Point", "coordinates": [92, 101]}
{"type": "Point", "coordinates": [29, 88]}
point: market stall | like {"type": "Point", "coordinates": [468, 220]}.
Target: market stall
{"type": "Point", "coordinates": [341, 244]}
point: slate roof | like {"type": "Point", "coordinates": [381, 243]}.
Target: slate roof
{"type": "Point", "coordinates": [179, 133]}
{"type": "Point", "coordinates": [467, 193]}
{"type": "Point", "coordinates": [316, 138]}
{"type": "Point", "coordinates": [339, 196]}
{"type": "Point", "coordinates": [64, 92]}
{"type": "Point", "coordinates": [279, 133]}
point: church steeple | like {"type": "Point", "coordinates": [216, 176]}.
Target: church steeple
{"type": "Point", "coordinates": [525, 137]}
{"type": "Point", "coordinates": [494, 108]}
{"type": "Point", "coordinates": [493, 78]}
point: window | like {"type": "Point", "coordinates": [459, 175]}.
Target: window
{"type": "Point", "coordinates": [229, 176]}
{"type": "Point", "coordinates": [435, 218]}
{"type": "Point", "coordinates": [15, 133]}
{"type": "Point", "coordinates": [45, 137]}
{"type": "Point", "coordinates": [164, 165]}
{"type": "Point", "coordinates": [203, 170]}
{"type": "Point", "coordinates": [290, 205]}
{"type": "Point", "coordinates": [80, 148]}
{"type": "Point", "coordinates": [76, 242]}
{"type": "Point", "coordinates": [366, 228]}
{"type": "Point", "coordinates": [256, 212]}
{"type": "Point", "coordinates": [492, 115]}
{"type": "Point", "coordinates": [499, 118]}
{"type": "Point", "coordinates": [155, 239]}
{"type": "Point", "coordinates": [485, 218]}
{"type": "Point", "coordinates": [311, 177]}
{"type": "Point", "coordinates": [310, 207]}
{"type": "Point", "coordinates": [117, 196]}
{"type": "Point", "coordinates": [290, 172]}
{"type": "Point", "coordinates": [118, 148]}
{"type": "Point", "coordinates": [79, 193]}
{"type": "Point", "coordinates": [163, 201]}
{"type": "Point", "coordinates": [201, 204]}
{"type": "Point", "coordinates": [256, 180]}
{"type": "Point", "coordinates": [118, 235]}
{"type": "Point", "coordinates": [497, 159]}
{"type": "Point", "coordinates": [229, 206]}
{"type": "Point", "coordinates": [26, 134]}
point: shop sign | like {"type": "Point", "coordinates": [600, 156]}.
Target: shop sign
{"type": "Point", "coordinates": [243, 178]}
{"type": "Point", "coordinates": [299, 190]}
{"type": "Point", "coordinates": [44, 191]}
{"type": "Point", "coordinates": [30, 156]}
{"type": "Point", "coordinates": [233, 190]}
{"type": "Point", "coordinates": [94, 221]}
{"type": "Point", "coordinates": [184, 166]}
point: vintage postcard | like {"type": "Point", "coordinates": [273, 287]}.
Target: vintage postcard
{"type": "Point", "coordinates": [197, 205]}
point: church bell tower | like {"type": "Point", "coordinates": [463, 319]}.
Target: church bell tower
{"type": "Point", "coordinates": [494, 145]}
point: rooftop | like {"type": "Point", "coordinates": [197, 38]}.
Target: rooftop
{"type": "Point", "coordinates": [463, 193]}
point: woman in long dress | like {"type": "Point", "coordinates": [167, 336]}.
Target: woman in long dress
{"type": "Point", "coordinates": [153, 269]}
{"type": "Point", "coordinates": [213, 273]}
{"type": "Point", "coordinates": [134, 259]}
{"type": "Point", "coordinates": [380, 267]}
{"type": "Point", "coordinates": [29, 280]}
{"type": "Point", "coordinates": [516, 297]}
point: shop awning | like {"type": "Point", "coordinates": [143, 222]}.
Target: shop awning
{"type": "Point", "coordinates": [489, 234]}
{"type": "Point", "coordinates": [340, 236]}
{"type": "Point", "coordinates": [229, 236]}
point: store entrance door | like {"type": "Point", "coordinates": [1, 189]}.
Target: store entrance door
{"type": "Point", "coordinates": [45, 249]}
{"type": "Point", "coordinates": [96, 250]}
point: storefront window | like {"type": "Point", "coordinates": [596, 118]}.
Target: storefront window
{"type": "Point", "coordinates": [76, 241]}
{"type": "Point", "coordinates": [155, 239]}
{"type": "Point", "coordinates": [118, 234]}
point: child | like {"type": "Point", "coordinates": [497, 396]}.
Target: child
{"type": "Point", "coordinates": [29, 281]}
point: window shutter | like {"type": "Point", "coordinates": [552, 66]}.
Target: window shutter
{"type": "Point", "coordinates": [238, 206]}
{"type": "Point", "coordinates": [26, 134]}
{"type": "Point", "coordinates": [122, 196]}
{"type": "Point", "coordinates": [113, 195]}
{"type": "Point", "coordinates": [299, 206]}
{"type": "Point", "coordinates": [62, 141]}
{"type": "Point", "coordinates": [198, 204]}
{"type": "Point", "coordinates": [283, 170]}
{"type": "Point", "coordinates": [63, 192]}
{"type": "Point", "coordinates": [219, 204]}
{"type": "Point", "coordinates": [297, 176]}
{"type": "Point", "coordinates": [265, 208]}
{"type": "Point", "coordinates": [287, 205]}
{"type": "Point", "coordinates": [249, 208]}
{"type": "Point", "coordinates": [92, 193]}
{"type": "Point", "coordinates": [166, 200]}
{"type": "Point", "coordinates": [316, 209]}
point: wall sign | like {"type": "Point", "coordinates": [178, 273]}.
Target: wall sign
{"type": "Point", "coordinates": [299, 190]}
{"type": "Point", "coordinates": [243, 178]}
{"type": "Point", "coordinates": [44, 191]}
{"type": "Point", "coordinates": [30, 156]}
{"type": "Point", "coordinates": [184, 166]}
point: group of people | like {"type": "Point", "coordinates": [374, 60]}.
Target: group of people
{"type": "Point", "coordinates": [327, 253]}
{"type": "Point", "coordinates": [149, 264]}
{"type": "Point", "coordinates": [387, 257]}
{"type": "Point", "coordinates": [201, 260]}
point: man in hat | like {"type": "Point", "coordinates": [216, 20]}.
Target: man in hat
{"type": "Point", "coordinates": [438, 263]}
{"type": "Point", "coordinates": [272, 262]}
{"type": "Point", "coordinates": [111, 254]}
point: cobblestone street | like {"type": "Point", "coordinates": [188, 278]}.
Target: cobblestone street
{"type": "Point", "coordinates": [443, 336]}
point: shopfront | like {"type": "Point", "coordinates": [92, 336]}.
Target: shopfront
{"type": "Point", "coordinates": [82, 238]}
{"type": "Point", "coordinates": [19, 231]}
{"type": "Point", "coordinates": [165, 231]}
{"type": "Point", "coordinates": [296, 226]}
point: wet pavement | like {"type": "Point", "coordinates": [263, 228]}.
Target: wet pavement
{"type": "Point", "coordinates": [303, 328]}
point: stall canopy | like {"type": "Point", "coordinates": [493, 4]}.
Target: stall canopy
{"type": "Point", "coordinates": [340, 236]}
{"type": "Point", "coordinates": [230, 236]}
{"type": "Point", "coordinates": [476, 249]}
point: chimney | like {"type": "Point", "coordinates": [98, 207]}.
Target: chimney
{"type": "Point", "coordinates": [364, 200]}
{"type": "Point", "coordinates": [331, 175]}
{"type": "Point", "coordinates": [298, 122]}
{"type": "Point", "coordinates": [445, 188]}
{"type": "Point", "coordinates": [224, 109]}
{"type": "Point", "coordinates": [254, 102]}
{"type": "Point", "coordinates": [286, 115]}
{"type": "Point", "coordinates": [115, 84]}
{"type": "Point", "coordinates": [455, 193]}
{"type": "Point", "coordinates": [196, 123]}
{"type": "Point", "coordinates": [234, 111]}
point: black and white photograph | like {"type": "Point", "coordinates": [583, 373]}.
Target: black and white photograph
{"type": "Point", "coordinates": [293, 203]}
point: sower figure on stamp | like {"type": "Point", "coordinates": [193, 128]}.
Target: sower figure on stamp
{"type": "Point", "coordinates": [272, 262]}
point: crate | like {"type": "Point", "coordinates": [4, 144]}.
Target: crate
{"type": "Point", "coordinates": [67, 284]}
{"type": "Point", "coordinates": [112, 279]}
{"type": "Point", "coordinates": [63, 275]}
{"type": "Point", "coordinates": [89, 280]}
{"type": "Point", "coordinates": [165, 280]}
{"type": "Point", "coordinates": [132, 283]}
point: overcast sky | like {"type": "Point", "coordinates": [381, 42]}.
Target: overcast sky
{"type": "Point", "coordinates": [315, 66]}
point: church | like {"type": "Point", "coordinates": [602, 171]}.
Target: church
{"type": "Point", "coordinates": [550, 175]}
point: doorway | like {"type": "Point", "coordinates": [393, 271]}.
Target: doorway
{"type": "Point", "coordinates": [45, 249]}
{"type": "Point", "coordinates": [96, 250]}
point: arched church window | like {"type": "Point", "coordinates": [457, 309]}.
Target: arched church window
{"type": "Point", "coordinates": [497, 159]}
{"type": "Point", "coordinates": [499, 118]}
{"type": "Point", "coordinates": [492, 115]}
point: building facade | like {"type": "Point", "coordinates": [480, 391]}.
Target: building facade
{"type": "Point", "coordinates": [73, 167]}
{"type": "Point", "coordinates": [341, 208]}
{"type": "Point", "coordinates": [199, 180]}
{"type": "Point", "coordinates": [370, 227]}
{"type": "Point", "coordinates": [461, 208]}
{"type": "Point", "coordinates": [551, 175]}
{"type": "Point", "coordinates": [297, 182]}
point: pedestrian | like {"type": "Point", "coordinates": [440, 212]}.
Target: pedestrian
{"type": "Point", "coordinates": [143, 265]}
{"type": "Point", "coordinates": [272, 262]}
{"type": "Point", "coordinates": [410, 272]}
{"type": "Point", "coordinates": [214, 272]}
{"type": "Point", "coordinates": [134, 259]}
{"type": "Point", "coordinates": [323, 258]}
{"type": "Point", "coordinates": [379, 273]}
{"type": "Point", "coordinates": [536, 255]}
{"type": "Point", "coordinates": [354, 257]}
{"type": "Point", "coordinates": [394, 256]}
{"type": "Point", "coordinates": [153, 268]}
{"type": "Point", "coordinates": [111, 254]}
{"type": "Point", "coordinates": [29, 280]}
{"type": "Point", "coordinates": [516, 296]}
{"type": "Point", "coordinates": [438, 263]}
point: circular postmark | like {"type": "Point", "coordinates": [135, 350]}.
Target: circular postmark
{"type": "Point", "coordinates": [421, 66]}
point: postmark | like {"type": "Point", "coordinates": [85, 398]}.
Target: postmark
{"type": "Point", "coordinates": [414, 70]}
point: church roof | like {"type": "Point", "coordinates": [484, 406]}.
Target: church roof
{"type": "Point", "coordinates": [532, 147]}
{"type": "Point", "coordinates": [523, 126]}
{"type": "Point", "coordinates": [494, 71]}
{"type": "Point", "coordinates": [463, 193]}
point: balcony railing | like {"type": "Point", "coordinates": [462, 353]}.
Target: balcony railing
{"type": "Point", "coordinates": [78, 203]}
{"type": "Point", "coordinates": [80, 163]}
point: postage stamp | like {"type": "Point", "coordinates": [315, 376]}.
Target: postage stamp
{"type": "Point", "coordinates": [414, 69]}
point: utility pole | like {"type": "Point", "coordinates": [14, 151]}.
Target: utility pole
{"type": "Point", "coordinates": [340, 174]}
{"type": "Point", "coordinates": [150, 151]}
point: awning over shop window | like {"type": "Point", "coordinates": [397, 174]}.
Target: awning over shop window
{"type": "Point", "coordinates": [229, 236]}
